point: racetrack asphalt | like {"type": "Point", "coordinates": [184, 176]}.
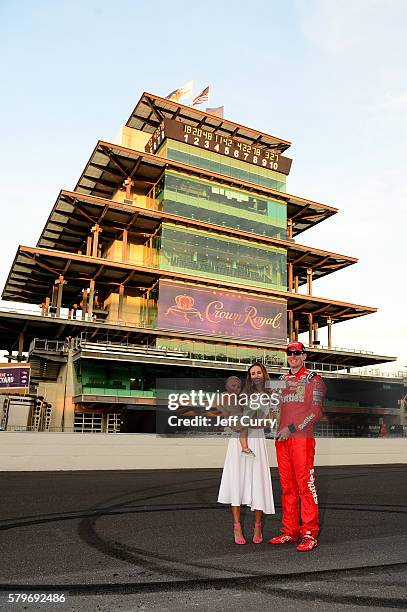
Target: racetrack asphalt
{"type": "Point", "coordinates": [157, 540]}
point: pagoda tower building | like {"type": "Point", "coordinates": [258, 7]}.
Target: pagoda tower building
{"type": "Point", "coordinates": [176, 253]}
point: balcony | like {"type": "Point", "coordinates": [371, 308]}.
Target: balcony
{"type": "Point", "coordinates": [17, 317]}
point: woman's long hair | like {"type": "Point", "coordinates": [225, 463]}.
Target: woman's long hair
{"type": "Point", "coordinates": [249, 386]}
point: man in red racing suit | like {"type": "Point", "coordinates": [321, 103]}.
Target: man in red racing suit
{"type": "Point", "coordinates": [300, 407]}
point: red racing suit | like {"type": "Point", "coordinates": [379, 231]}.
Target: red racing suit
{"type": "Point", "coordinates": [300, 407]}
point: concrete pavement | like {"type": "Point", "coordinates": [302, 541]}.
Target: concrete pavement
{"type": "Point", "coordinates": [157, 540]}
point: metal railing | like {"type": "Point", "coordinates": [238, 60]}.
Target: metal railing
{"type": "Point", "coordinates": [328, 430]}
{"type": "Point", "coordinates": [225, 358]}
{"type": "Point", "coordinates": [338, 348]}
{"type": "Point", "coordinates": [52, 346]}
{"type": "Point", "coordinates": [222, 357]}
{"type": "Point", "coordinates": [63, 316]}
{"type": "Point", "coordinates": [271, 361]}
{"type": "Point", "coordinates": [341, 370]}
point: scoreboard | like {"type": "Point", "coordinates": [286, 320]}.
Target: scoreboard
{"type": "Point", "coordinates": [218, 143]}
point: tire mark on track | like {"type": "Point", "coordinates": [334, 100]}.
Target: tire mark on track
{"type": "Point", "coordinates": [80, 514]}
{"type": "Point", "coordinates": [209, 583]}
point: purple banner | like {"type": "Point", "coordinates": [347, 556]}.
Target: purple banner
{"type": "Point", "coordinates": [14, 376]}
{"type": "Point", "coordinates": [187, 307]}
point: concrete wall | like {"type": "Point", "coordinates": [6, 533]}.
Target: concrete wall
{"type": "Point", "coordinates": [72, 451]}
{"type": "Point", "coordinates": [60, 395]}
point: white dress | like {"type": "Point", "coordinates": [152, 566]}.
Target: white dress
{"type": "Point", "coordinates": [246, 481]}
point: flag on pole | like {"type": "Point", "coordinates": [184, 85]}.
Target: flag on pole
{"type": "Point", "coordinates": [218, 111]}
{"type": "Point", "coordinates": [182, 93]}
{"type": "Point", "coordinates": [203, 97]}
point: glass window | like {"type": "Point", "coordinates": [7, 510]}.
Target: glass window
{"type": "Point", "coordinates": [230, 259]}
{"type": "Point", "coordinates": [218, 204]}
{"type": "Point", "coordinates": [225, 352]}
{"type": "Point", "coordinates": [214, 162]}
{"type": "Point", "coordinates": [112, 379]}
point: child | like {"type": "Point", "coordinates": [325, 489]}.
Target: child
{"type": "Point", "coordinates": [233, 385]}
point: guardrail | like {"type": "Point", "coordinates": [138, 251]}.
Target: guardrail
{"type": "Point", "coordinates": [54, 346]}
{"type": "Point", "coordinates": [225, 359]}
{"type": "Point", "coordinates": [57, 346]}
{"type": "Point", "coordinates": [142, 325]}
{"type": "Point", "coordinates": [338, 348]}
{"type": "Point", "coordinates": [80, 343]}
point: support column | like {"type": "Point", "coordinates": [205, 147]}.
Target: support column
{"type": "Point", "coordinates": [309, 281]}
{"type": "Point", "coordinates": [91, 298]}
{"type": "Point", "coordinates": [84, 303]}
{"type": "Point", "coordinates": [96, 230]}
{"type": "Point", "coordinates": [125, 246]}
{"type": "Point", "coordinates": [60, 285]}
{"type": "Point", "coordinates": [296, 330]}
{"type": "Point", "coordinates": [329, 323]}
{"type": "Point", "coordinates": [121, 302]}
{"type": "Point", "coordinates": [315, 329]}
{"type": "Point", "coordinates": [53, 303]}
{"type": "Point", "coordinates": [290, 326]}
{"type": "Point", "coordinates": [151, 196]}
{"type": "Point", "coordinates": [128, 184]}
{"type": "Point", "coordinates": [296, 284]}
{"type": "Point", "coordinates": [403, 405]}
{"type": "Point", "coordinates": [151, 254]}
{"type": "Point", "coordinates": [289, 228]}
{"type": "Point", "coordinates": [290, 276]}
{"type": "Point", "coordinates": [20, 346]}
{"type": "Point", "coordinates": [89, 241]}
{"type": "Point", "coordinates": [310, 330]}
{"type": "Point", "coordinates": [47, 304]}
{"type": "Point", "coordinates": [54, 296]}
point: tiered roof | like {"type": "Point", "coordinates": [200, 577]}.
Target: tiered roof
{"type": "Point", "coordinates": [110, 165]}
{"type": "Point", "coordinates": [150, 111]}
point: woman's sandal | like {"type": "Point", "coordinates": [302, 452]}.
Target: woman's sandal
{"type": "Point", "coordinates": [257, 539]}
{"type": "Point", "coordinates": [238, 539]}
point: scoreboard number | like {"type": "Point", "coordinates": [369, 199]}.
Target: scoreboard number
{"type": "Point", "coordinates": [219, 143]}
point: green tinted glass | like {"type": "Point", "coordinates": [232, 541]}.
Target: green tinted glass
{"type": "Point", "coordinates": [224, 352]}
{"type": "Point", "coordinates": [215, 203]}
{"type": "Point", "coordinates": [214, 162]}
{"type": "Point", "coordinates": [204, 254]}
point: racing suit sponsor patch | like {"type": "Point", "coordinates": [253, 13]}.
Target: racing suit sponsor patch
{"type": "Point", "coordinates": [311, 485]}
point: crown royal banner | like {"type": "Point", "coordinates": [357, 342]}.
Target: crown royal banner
{"type": "Point", "coordinates": [186, 307]}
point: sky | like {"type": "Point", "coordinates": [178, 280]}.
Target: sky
{"type": "Point", "coordinates": [328, 75]}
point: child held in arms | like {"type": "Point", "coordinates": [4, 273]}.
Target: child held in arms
{"type": "Point", "coordinates": [233, 387]}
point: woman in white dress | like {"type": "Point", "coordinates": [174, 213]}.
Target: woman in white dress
{"type": "Point", "coordinates": [246, 478]}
